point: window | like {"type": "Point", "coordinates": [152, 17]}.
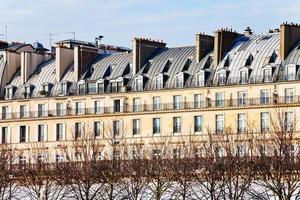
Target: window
{"type": "Point", "coordinates": [27, 91]}
{"type": "Point", "coordinates": [78, 108]}
{"type": "Point", "coordinates": [265, 121]}
{"type": "Point", "coordinates": [243, 77]}
{"type": "Point", "coordinates": [41, 133]}
{"type": "Point", "coordinates": [100, 87]}
{"type": "Point", "coordinates": [97, 130]}
{"type": "Point", "coordinates": [156, 103]}
{"type": "Point", "coordinates": [221, 78]}
{"type": "Point", "coordinates": [59, 132]}
{"type": "Point", "coordinates": [116, 128]}
{"type": "Point", "coordinates": [176, 153]}
{"type": "Point", "coordinates": [156, 125]}
{"type": "Point", "coordinates": [242, 98]}
{"type": "Point", "coordinates": [267, 75]}
{"type": "Point", "coordinates": [179, 81]}
{"type": "Point", "coordinates": [4, 134]}
{"type": "Point", "coordinates": [264, 97]}
{"type": "Point", "coordinates": [22, 134]}
{"type": "Point", "coordinates": [136, 127]}
{"type": "Point", "coordinates": [156, 153]}
{"type": "Point", "coordinates": [63, 88]}
{"type": "Point", "coordinates": [177, 102]}
{"type": "Point", "coordinates": [22, 160]}
{"type": "Point", "coordinates": [22, 111]}
{"type": "Point", "coordinates": [41, 158]}
{"type": "Point", "coordinates": [119, 86]}
{"type": "Point", "coordinates": [59, 158]}
{"type": "Point", "coordinates": [97, 107]}
{"type": "Point", "coordinates": [60, 109]}
{"type": "Point", "coordinates": [9, 92]}
{"type": "Point", "coordinates": [198, 124]}
{"type": "Point", "coordinates": [41, 110]}
{"type": "Point", "coordinates": [4, 112]}
{"type": "Point", "coordinates": [159, 82]}
{"type": "Point", "coordinates": [78, 129]}
{"type": "Point", "coordinates": [138, 84]}
{"type": "Point", "coordinates": [219, 123]}
{"type": "Point", "coordinates": [45, 88]}
{"type": "Point", "coordinates": [136, 104]}
{"type": "Point", "coordinates": [242, 123]}
{"type": "Point", "coordinates": [219, 99]}
{"type": "Point", "coordinates": [290, 72]}
{"type": "Point", "coordinates": [117, 105]}
{"type": "Point", "coordinates": [289, 121]}
{"type": "Point", "coordinates": [176, 125]}
{"type": "Point", "coordinates": [200, 79]}
{"type": "Point", "coordinates": [198, 100]}
{"type": "Point", "coordinates": [289, 95]}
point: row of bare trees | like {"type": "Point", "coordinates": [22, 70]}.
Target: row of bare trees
{"type": "Point", "coordinates": [227, 166]}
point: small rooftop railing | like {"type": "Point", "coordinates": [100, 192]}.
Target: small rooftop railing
{"type": "Point", "coordinates": [204, 104]}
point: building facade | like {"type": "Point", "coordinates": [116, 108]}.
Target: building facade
{"type": "Point", "coordinates": [227, 83]}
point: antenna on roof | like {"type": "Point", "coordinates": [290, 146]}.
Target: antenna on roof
{"type": "Point", "coordinates": [51, 37]}
{"type": "Point", "coordinates": [73, 33]}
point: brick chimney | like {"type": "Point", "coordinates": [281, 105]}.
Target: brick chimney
{"type": "Point", "coordinates": [204, 44]}
{"type": "Point", "coordinates": [64, 58]}
{"type": "Point", "coordinates": [289, 36]}
{"type": "Point", "coordinates": [223, 39]}
{"type": "Point", "coordinates": [142, 48]}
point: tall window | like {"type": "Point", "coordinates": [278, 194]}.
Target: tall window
{"type": "Point", "coordinates": [117, 105]}
{"type": "Point", "coordinates": [59, 132]}
{"type": "Point", "coordinates": [219, 123]}
{"type": "Point", "coordinates": [138, 84]}
{"type": "Point", "coordinates": [97, 107]}
{"type": "Point", "coordinates": [59, 109]}
{"type": "Point", "coordinates": [159, 82]}
{"type": "Point", "coordinates": [4, 134]}
{"type": "Point", "coordinates": [22, 134]}
{"type": "Point", "coordinates": [136, 126]}
{"type": "Point", "coordinates": [198, 100]}
{"type": "Point", "coordinates": [177, 102]}
{"type": "Point", "coordinates": [41, 133]}
{"type": "Point", "coordinates": [156, 125]}
{"type": "Point", "coordinates": [176, 125]}
{"type": "Point", "coordinates": [197, 123]}
{"type": "Point", "coordinates": [179, 81]}
{"type": "Point", "coordinates": [100, 87]}
{"type": "Point", "coordinates": [289, 121]}
{"type": "Point", "coordinates": [116, 128]}
{"type": "Point", "coordinates": [97, 130]}
{"type": "Point", "coordinates": [291, 72]}
{"type": "Point", "coordinates": [242, 123]}
{"type": "Point", "coordinates": [63, 88]}
{"type": "Point", "coordinates": [200, 79]}
{"type": "Point", "coordinates": [289, 95]}
{"type": "Point", "coordinates": [243, 77]}
{"type": "Point", "coordinates": [265, 121]}
{"type": "Point", "coordinates": [242, 98]}
{"type": "Point", "coordinates": [27, 91]}
{"type": "Point", "coordinates": [41, 110]}
{"type": "Point", "coordinates": [219, 99]}
{"type": "Point", "coordinates": [264, 97]}
{"type": "Point", "coordinates": [136, 104]}
{"type": "Point", "coordinates": [4, 112]}
{"type": "Point", "coordinates": [221, 78]}
{"type": "Point", "coordinates": [22, 111]}
{"type": "Point", "coordinates": [59, 158]}
{"type": "Point", "coordinates": [156, 103]}
{"type": "Point", "coordinates": [267, 73]}
{"type": "Point", "coordinates": [78, 108]}
{"type": "Point", "coordinates": [9, 93]}
{"type": "Point", "coordinates": [78, 130]}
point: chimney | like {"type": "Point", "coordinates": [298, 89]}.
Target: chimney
{"type": "Point", "coordinates": [248, 31]}
{"type": "Point", "coordinates": [289, 36]}
{"type": "Point", "coordinates": [223, 39]}
{"type": "Point", "coordinates": [29, 63]}
{"type": "Point", "coordinates": [204, 44]}
{"type": "Point", "coordinates": [83, 55]}
{"type": "Point", "coordinates": [142, 48]}
{"type": "Point", "coordinates": [64, 58]}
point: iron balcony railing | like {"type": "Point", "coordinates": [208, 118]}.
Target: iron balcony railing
{"type": "Point", "coordinates": [207, 103]}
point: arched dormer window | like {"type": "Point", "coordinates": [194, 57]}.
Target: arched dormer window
{"type": "Point", "coordinates": [81, 87]}
{"type": "Point", "coordinates": [200, 79]}
{"type": "Point", "coordinates": [63, 88]}
{"type": "Point", "coordinates": [243, 76]}
{"type": "Point", "coordinates": [100, 86]}
{"type": "Point", "coordinates": [159, 82]}
{"type": "Point", "coordinates": [10, 92]}
{"type": "Point", "coordinates": [267, 74]}
{"type": "Point", "coordinates": [138, 84]}
{"type": "Point", "coordinates": [222, 77]}
{"type": "Point", "coordinates": [179, 80]}
{"type": "Point", "coordinates": [45, 89]}
{"type": "Point", "coordinates": [290, 72]}
{"type": "Point", "coordinates": [27, 90]}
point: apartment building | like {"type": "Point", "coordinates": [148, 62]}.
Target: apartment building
{"type": "Point", "coordinates": [229, 82]}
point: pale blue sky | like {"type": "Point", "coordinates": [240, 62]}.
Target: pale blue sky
{"type": "Point", "coordinates": [174, 21]}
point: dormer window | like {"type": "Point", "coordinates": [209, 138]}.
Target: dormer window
{"type": "Point", "coordinates": [81, 87]}
{"type": "Point", "coordinates": [187, 64]}
{"type": "Point", "coordinates": [222, 78]}
{"type": "Point", "coordinates": [200, 79]}
{"type": "Point", "coordinates": [45, 89]}
{"type": "Point", "coordinates": [27, 91]}
{"type": "Point", "coordinates": [267, 75]}
{"type": "Point", "coordinates": [159, 82]}
{"type": "Point", "coordinates": [100, 86]}
{"type": "Point", "coordinates": [179, 81]}
{"type": "Point", "coordinates": [243, 77]}
{"type": "Point", "coordinates": [249, 60]}
{"type": "Point", "coordinates": [9, 92]}
{"type": "Point", "coordinates": [63, 88]}
{"type": "Point", "coordinates": [167, 66]}
{"type": "Point", "coordinates": [138, 84]}
{"type": "Point", "coordinates": [290, 72]}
